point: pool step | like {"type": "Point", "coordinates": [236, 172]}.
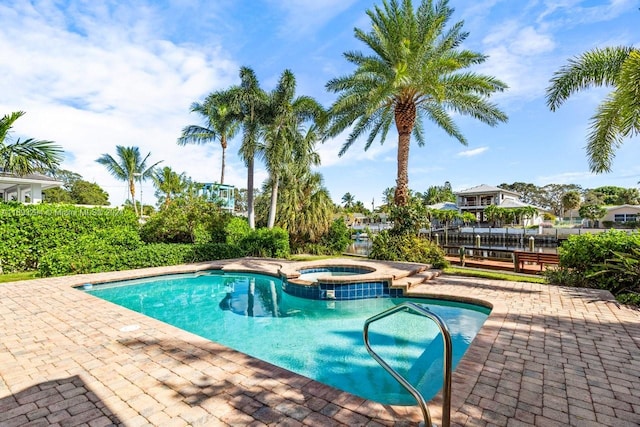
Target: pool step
{"type": "Point", "coordinates": [415, 279]}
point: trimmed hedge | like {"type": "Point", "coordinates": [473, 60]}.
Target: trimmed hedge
{"type": "Point", "coordinates": [87, 257]}
{"type": "Point", "coordinates": [30, 231]}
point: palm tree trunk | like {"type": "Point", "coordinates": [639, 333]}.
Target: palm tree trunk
{"type": "Point", "coordinates": [132, 191]}
{"type": "Point", "coordinates": [405, 117]}
{"type": "Point", "coordinates": [250, 213]}
{"type": "Point", "coordinates": [223, 143]}
{"type": "Point", "coordinates": [274, 202]}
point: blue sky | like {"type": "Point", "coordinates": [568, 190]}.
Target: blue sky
{"type": "Point", "coordinates": [93, 75]}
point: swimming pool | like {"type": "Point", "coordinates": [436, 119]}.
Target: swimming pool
{"type": "Point", "coordinates": [319, 339]}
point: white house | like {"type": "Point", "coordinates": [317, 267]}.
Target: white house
{"type": "Point", "coordinates": [621, 214]}
{"type": "Point", "coordinates": [25, 189]}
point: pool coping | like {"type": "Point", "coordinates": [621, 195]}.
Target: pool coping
{"type": "Point", "coordinates": [484, 383]}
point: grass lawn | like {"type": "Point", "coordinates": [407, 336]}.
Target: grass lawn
{"type": "Point", "coordinates": [14, 277]}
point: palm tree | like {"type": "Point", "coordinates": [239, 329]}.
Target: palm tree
{"type": "Point", "coordinates": [348, 199]}
{"type": "Point", "coordinates": [221, 124]}
{"type": "Point", "coordinates": [28, 156]}
{"type": "Point", "coordinates": [305, 207]}
{"type": "Point", "coordinates": [169, 184]}
{"type": "Point", "coordinates": [248, 103]}
{"type": "Point", "coordinates": [618, 116]}
{"type": "Point", "coordinates": [128, 166]}
{"type": "Point", "coordinates": [415, 69]}
{"type": "Point", "coordinates": [283, 139]}
{"type": "Point", "coordinates": [571, 201]}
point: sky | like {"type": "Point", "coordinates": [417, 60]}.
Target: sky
{"type": "Point", "coordinates": [92, 75]}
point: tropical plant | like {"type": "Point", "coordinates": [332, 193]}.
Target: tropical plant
{"type": "Point", "coordinates": [571, 201]}
{"type": "Point", "coordinates": [248, 102]}
{"type": "Point", "coordinates": [618, 116]}
{"type": "Point", "coordinates": [221, 124]}
{"type": "Point", "coordinates": [88, 193]}
{"type": "Point", "coordinates": [415, 70]}
{"type": "Point", "coordinates": [27, 156]}
{"type": "Point", "coordinates": [284, 141]}
{"type": "Point", "coordinates": [592, 212]}
{"type": "Point", "coordinates": [305, 208]}
{"type": "Point", "coordinates": [348, 200]}
{"type": "Point", "coordinates": [127, 166]}
{"type": "Point", "coordinates": [169, 184]}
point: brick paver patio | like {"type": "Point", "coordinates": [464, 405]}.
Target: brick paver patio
{"type": "Point", "coordinates": [547, 356]}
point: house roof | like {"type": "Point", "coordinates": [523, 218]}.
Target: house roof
{"type": "Point", "coordinates": [483, 189]}
{"type": "Point", "coordinates": [622, 207]}
{"type": "Point", "coordinates": [444, 206]}
{"type": "Point", "coordinates": [8, 180]}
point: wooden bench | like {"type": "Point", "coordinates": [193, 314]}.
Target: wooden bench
{"type": "Point", "coordinates": [520, 257]}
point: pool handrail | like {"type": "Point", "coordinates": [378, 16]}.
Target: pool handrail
{"type": "Point", "coordinates": [446, 338]}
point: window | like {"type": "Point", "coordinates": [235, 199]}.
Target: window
{"type": "Point", "coordinates": [625, 217]}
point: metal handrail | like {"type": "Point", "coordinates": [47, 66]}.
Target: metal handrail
{"type": "Point", "coordinates": [446, 338]}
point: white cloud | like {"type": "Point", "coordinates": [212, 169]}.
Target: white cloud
{"type": "Point", "coordinates": [472, 153]}
{"type": "Point", "coordinates": [111, 81]}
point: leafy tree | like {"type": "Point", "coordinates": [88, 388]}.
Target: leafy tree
{"type": "Point", "coordinates": [529, 193]}
{"type": "Point", "coordinates": [57, 195]}
{"type": "Point", "coordinates": [415, 69]}
{"type": "Point", "coordinates": [611, 195]}
{"type": "Point", "coordinates": [618, 116]}
{"type": "Point", "coordinates": [571, 200]}
{"type": "Point", "coordinates": [67, 177]}
{"type": "Point", "coordinates": [221, 124]}
{"type": "Point", "coordinates": [240, 198]}
{"type": "Point", "coordinates": [438, 194]}
{"type": "Point", "coordinates": [127, 166]}
{"type": "Point", "coordinates": [592, 212]}
{"type": "Point", "coordinates": [27, 156]}
{"type": "Point", "coordinates": [169, 184]}
{"type": "Point", "coordinates": [284, 140]}
{"type": "Point", "coordinates": [552, 196]}
{"type": "Point", "coordinates": [88, 193]}
{"type": "Point", "coordinates": [348, 200]}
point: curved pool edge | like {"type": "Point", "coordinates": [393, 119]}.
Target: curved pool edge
{"type": "Point", "coordinates": [464, 377]}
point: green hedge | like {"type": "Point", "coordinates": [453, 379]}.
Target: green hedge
{"type": "Point", "coordinates": [607, 260]}
{"type": "Point", "coordinates": [96, 256]}
{"type": "Point", "coordinates": [30, 231]}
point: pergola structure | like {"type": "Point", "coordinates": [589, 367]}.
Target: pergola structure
{"type": "Point", "coordinates": [25, 189]}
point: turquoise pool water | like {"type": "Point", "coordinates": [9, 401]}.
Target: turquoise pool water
{"type": "Point", "coordinates": [319, 339]}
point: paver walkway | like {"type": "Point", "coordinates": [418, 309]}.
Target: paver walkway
{"type": "Point", "coordinates": [546, 356]}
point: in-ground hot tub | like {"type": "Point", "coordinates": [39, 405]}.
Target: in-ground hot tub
{"type": "Point", "coordinates": [338, 282]}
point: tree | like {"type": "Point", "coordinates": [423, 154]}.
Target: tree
{"type": "Point", "coordinates": [618, 116]}
{"type": "Point", "coordinates": [169, 184]}
{"type": "Point", "coordinates": [221, 124]}
{"type": "Point", "coordinates": [28, 156]}
{"type": "Point", "coordinates": [529, 193]}
{"type": "Point", "coordinates": [415, 70]}
{"type": "Point", "coordinates": [570, 201]}
{"type": "Point", "coordinates": [438, 194]}
{"type": "Point", "coordinates": [592, 212]}
{"type": "Point", "coordinates": [248, 102]}
{"type": "Point", "coordinates": [128, 166]}
{"type": "Point", "coordinates": [348, 200]}
{"type": "Point", "coordinates": [284, 140]}
{"type": "Point", "coordinates": [88, 193]}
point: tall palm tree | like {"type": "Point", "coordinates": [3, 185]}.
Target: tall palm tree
{"type": "Point", "coordinates": [283, 138]}
{"type": "Point", "coordinates": [348, 199]}
{"type": "Point", "coordinates": [618, 116]}
{"type": "Point", "coordinates": [220, 124]}
{"type": "Point", "coordinates": [28, 156]}
{"type": "Point", "coordinates": [248, 103]}
{"type": "Point", "coordinates": [128, 166]}
{"type": "Point", "coordinates": [169, 184]}
{"type": "Point", "coordinates": [415, 69]}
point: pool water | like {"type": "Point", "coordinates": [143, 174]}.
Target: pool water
{"type": "Point", "coordinates": [316, 338]}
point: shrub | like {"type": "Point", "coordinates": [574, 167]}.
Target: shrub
{"type": "Point", "coordinates": [30, 231]}
{"type": "Point", "coordinates": [608, 260]}
{"type": "Point", "coordinates": [192, 220]}
{"type": "Point", "coordinates": [266, 242]}
{"type": "Point", "coordinates": [337, 238]}
{"type": "Point", "coordinates": [236, 229]}
{"type": "Point", "coordinates": [407, 247]}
